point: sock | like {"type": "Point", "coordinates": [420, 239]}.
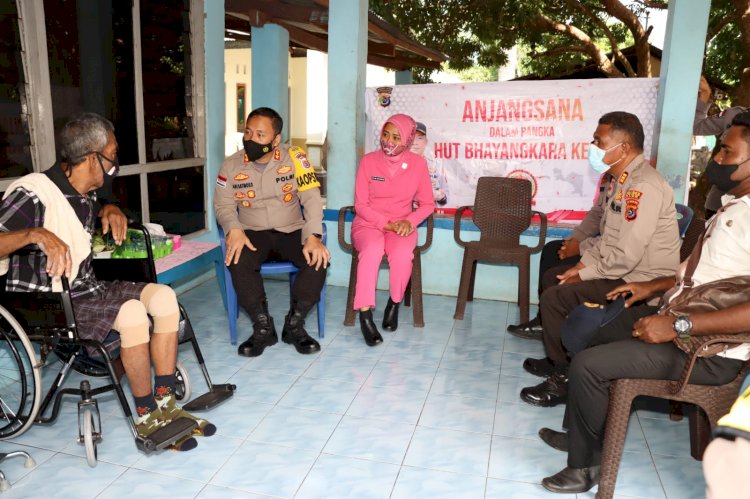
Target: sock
{"type": "Point", "coordinates": [144, 405]}
{"type": "Point", "coordinates": [163, 385]}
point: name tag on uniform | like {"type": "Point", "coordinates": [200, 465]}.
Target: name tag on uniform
{"type": "Point", "coordinates": [379, 179]}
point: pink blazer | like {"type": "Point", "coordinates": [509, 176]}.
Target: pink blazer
{"type": "Point", "coordinates": [380, 198]}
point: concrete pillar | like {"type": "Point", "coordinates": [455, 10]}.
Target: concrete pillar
{"type": "Point", "coordinates": [403, 77]}
{"type": "Point", "coordinates": [215, 102]}
{"type": "Point", "coordinates": [270, 71]}
{"type": "Point", "coordinates": [347, 58]}
{"type": "Point", "coordinates": [678, 89]}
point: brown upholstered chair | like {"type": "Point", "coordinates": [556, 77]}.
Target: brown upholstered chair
{"type": "Point", "coordinates": [413, 295]}
{"type": "Point", "coordinates": [712, 401]}
{"type": "Point", "coordinates": [502, 211]}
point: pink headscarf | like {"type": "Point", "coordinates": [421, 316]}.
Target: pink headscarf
{"type": "Point", "coordinates": [407, 129]}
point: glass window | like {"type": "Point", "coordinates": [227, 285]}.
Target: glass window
{"type": "Point", "coordinates": [176, 199]}
{"type": "Point", "coordinates": [165, 37]}
{"type": "Point", "coordinates": [127, 195]}
{"type": "Point", "coordinates": [15, 153]}
{"type": "Point", "coordinates": [240, 108]}
{"type": "Point", "coordinates": [90, 51]}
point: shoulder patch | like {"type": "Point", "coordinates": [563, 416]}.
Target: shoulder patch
{"type": "Point", "coordinates": [221, 181]}
{"type": "Point", "coordinates": [623, 177]}
{"type": "Point", "coordinates": [303, 170]}
{"type": "Point", "coordinates": [277, 155]}
{"type": "Point", "coordinates": [618, 197]}
{"type": "Point", "coordinates": [631, 209]}
{"type": "Point", "coordinates": [245, 159]}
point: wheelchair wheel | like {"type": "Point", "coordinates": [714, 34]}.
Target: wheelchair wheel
{"type": "Point", "coordinates": [89, 441]}
{"type": "Point", "coordinates": [182, 387]}
{"type": "Point", "coordinates": [20, 378]}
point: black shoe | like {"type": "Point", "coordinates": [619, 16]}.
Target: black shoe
{"type": "Point", "coordinates": [540, 367]}
{"type": "Point", "coordinates": [572, 480]}
{"type": "Point", "coordinates": [390, 315]}
{"type": "Point", "coordinates": [264, 335]}
{"type": "Point", "coordinates": [369, 329]}
{"type": "Point", "coordinates": [549, 393]}
{"type": "Point", "coordinates": [531, 330]}
{"type": "Point", "coordinates": [558, 440]}
{"type": "Point", "coordinates": [294, 333]}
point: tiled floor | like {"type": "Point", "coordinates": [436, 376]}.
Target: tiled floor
{"type": "Point", "coordinates": [430, 413]}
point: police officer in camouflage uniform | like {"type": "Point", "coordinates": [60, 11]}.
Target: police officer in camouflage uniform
{"type": "Point", "coordinates": [258, 197]}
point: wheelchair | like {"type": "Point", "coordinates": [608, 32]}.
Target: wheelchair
{"type": "Point", "coordinates": [47, 320]}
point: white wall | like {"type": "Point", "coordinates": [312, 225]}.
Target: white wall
{"type": "Point", "coordinates": [236, 71]}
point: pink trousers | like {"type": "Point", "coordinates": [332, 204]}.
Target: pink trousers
{"type": "Point", "coordinates": [371, 244]}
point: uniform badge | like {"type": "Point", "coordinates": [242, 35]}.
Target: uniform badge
{"type": "Point", "coordinates": [246, 203]}
{"type": "Point", "coordinates": [623, 177]}
{"type": "Point", "coordinates": [276, 155]}
{"type": "Point", "coordinates": [251, 194]}
{"type": "Point", "coordinates": [633, 194]}
{"type": "Point", "coordinates": [286, 187]}
{"type": "Point", "coordinates": [245, 159]}
{"type": "Point", "coordinates": [221, 181]}
{"type": "Point", "coordinates": [241, 176]}
{"type": "Point", "coordinates": [283, 169]}
{"type": "Point", "coordinates": [378, 179]}
{"type": "Point", "coordinates": [610, 189]}
{"type": "Point", "coordinates": [618, 197]}
{"type": "Point", "coordinates": [288, 197]}
{"type": "Point", "coordinates": [631, 209]}
{"type": "Point", "coordinates": [239, 195]}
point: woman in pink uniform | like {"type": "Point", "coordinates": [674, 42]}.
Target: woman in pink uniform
{"type": "Point", "coordinates": [389, 183]}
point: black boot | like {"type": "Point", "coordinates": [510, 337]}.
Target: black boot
{"type": "Point", "coordinates": [294, 330]}
{"type": "Point", "coordinates": [390, 315]}
{"type": "Point", "coordinates": [369, 329]}
{"type": "Point", "coordinates": [264, 333]}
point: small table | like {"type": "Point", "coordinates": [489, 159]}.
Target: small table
{"type": "Point", "coordinates": [191, 257]}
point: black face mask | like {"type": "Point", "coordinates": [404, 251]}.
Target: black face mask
{"type": "Point", "coordinates": [105, 190]}
{"type": "Point", "coordinates": [255, 151]}
{"type": "Point", "coordinates": [719, 175]}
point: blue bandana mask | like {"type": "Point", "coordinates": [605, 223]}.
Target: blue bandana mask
{"type": "Point", "coordinates": [596, 158]}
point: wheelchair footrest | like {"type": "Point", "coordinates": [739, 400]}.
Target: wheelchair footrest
{"type": "Point", "coordinates": [209, 400]}
{"type": "Point", "coordinates": [166, 436]}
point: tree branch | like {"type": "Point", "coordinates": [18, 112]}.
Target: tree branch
{"type": "Point", "coordinates": [721, 23]}
{"type": "Point", "coordinates": [588, 45]}
{"type": "Point", "coordinates": [602, 25]}
{"type": "Point", "coordinates": [629, 19]}
{"type": "Point", "coordinates": [562, 50]}
{"type": "Point", "coordinates": [653, 4]}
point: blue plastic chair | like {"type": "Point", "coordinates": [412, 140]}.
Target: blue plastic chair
{"type": "Point", "coordinates": [684, 217]}
{"type": "Point", "coordinates": [233, 310]}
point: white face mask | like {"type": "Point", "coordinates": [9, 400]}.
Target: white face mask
{"type": "Point", "coordinates": [596, 158]}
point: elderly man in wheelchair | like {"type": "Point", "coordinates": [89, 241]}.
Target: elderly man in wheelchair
{"type": "Point", "coordinates": [46, 222]}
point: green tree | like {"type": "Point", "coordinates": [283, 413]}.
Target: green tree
{"type": "Point", "coordinates": [556, 35]}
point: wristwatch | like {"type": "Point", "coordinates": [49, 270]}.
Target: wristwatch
{"type": "Point", "coordinates": [683, 326]}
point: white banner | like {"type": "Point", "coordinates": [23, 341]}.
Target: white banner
{"type": "Point", "coordinates": [538, 130]}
